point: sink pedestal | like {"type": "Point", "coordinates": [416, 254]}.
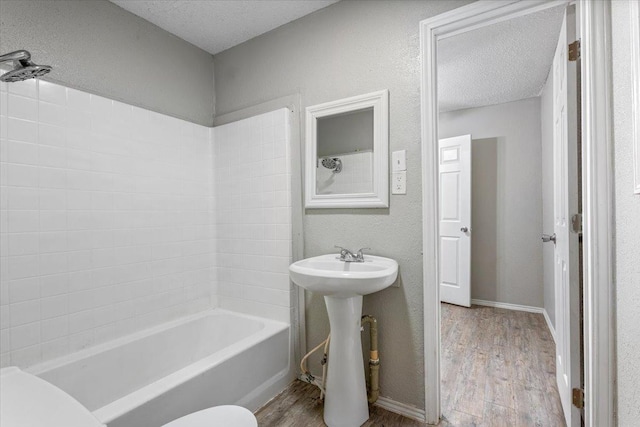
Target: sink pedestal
{"type": "Point", "coordinates": [345, 403]}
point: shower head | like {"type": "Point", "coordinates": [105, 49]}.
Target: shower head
{"type": "Point", "coordinates": [23, 68]}
{"type": "Point", "coordinates": [334, 164]}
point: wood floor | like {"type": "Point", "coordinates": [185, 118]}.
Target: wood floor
{"type": "Point", "coordinates": [498, 369]}
{"type": "Point", "coordinates": [300, 406]}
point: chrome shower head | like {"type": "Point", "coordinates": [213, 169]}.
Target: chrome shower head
{"type": "Point", "coordinates": [333, 163]}
{"type": "Point", "coordinates": [23, 67]}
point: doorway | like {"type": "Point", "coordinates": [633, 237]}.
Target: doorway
{"type": "Point", "coordinates": [463, 20]}
{"type": "Point", "coordinates": [497, 347]}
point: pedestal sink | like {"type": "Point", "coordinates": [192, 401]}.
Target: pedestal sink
{"type": "Point", "coordinates": [343, 284]}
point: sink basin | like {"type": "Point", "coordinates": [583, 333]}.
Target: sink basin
{"type": "Point", "coordinates": [343, 284]}
{"type": "Point", "coordinates": [327, 275]}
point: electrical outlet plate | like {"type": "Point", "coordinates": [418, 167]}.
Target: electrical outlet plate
{"type": "Point", "coordinates": [399, 183]}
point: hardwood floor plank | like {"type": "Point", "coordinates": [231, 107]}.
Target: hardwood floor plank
{"type": "Point", "coordinates": [470, 388]}
{"type": "Point", "coordinates": [499, 379]}
{"type": "Point", "coordinates": [518, 353]}
{"type": "Point", "coordinates": [498, 416]}
{"type": "Point", "coordinates": [299, 406]}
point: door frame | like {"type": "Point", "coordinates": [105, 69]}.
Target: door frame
{"type": "Point", "coordinates": [594, 21]}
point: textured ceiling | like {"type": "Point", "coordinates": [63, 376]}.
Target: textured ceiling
{"type": "Point", "coordinates": [499, 63]}
{"type": "Point", "coordinates": [216, 25]}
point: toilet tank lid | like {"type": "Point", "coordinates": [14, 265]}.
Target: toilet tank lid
{"type": "Point", "coordinates": [26, 400]}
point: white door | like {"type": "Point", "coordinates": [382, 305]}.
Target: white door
{"type": "Point", "coordinates": [454, 173]}
{"type": "Point", "coordinates": [566, 261]}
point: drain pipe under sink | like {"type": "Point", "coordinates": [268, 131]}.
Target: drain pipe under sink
{"type": "Point", "coordinates": [374, 361]}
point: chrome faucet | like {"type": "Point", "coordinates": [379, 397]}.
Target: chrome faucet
{"type": "Point", "coordinates": [347, 256]}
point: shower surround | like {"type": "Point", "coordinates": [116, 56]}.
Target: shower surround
{"type": "Point", "coordinates": [115, 219]}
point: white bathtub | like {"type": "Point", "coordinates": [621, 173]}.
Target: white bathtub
{"type": "Point", "coordinates": [154, 376]}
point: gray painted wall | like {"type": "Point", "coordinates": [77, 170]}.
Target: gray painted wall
{"type": "Point", "coordinates": [510, 231]}
{"type": "Point", "coordinates": [347, 49]}
{"type": "Point", "coordinates": [627, 225]}
{"type": "Point", "coordinates": [548, 252]}
{"type": "Point", "coordinates": [98, 47]}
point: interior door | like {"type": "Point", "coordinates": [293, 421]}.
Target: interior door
{"type": "Point", "coordinates": [454, 173]}
{"type": "Point", "coordinates": [566, 256]}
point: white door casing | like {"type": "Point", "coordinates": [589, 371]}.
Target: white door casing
{"type": "Point", "coordinates": [597, 178]}
{"type": "Point", "coordinates": [454, 173]}
{"type": "Point", "coordinates": [565, 204]}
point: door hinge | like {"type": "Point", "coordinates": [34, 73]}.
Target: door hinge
{"type": "Point", "coordinates": [576, 223]}
{"type": "Point", "coordinates": [578, 398]}
{"type": "Point", "coordinates": [574, 51]}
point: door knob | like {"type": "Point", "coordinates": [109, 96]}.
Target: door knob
{"type": "Point", "coordinates": [549, 238]}
{"type": "Point", "coordinates": [464, 229]}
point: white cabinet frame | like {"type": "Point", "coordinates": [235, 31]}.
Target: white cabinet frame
{"type": "Point", "coordinates": [379, 197]}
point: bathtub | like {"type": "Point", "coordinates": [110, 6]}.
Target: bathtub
{"type": "Point", "coordinates": [157, 375]}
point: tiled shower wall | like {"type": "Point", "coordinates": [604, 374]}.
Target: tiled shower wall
{"type": "Point", "coordinates": [106, 220]}
{"type": "Point", "coordinates": [252, 164]}
{"type": "Point", "coordinates": [356, 175]}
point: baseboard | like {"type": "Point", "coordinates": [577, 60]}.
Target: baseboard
{"type": "Point", "coordinates": [519, 307]}
{"type": "Point", "coordinates": [401, 408]}
{"type": "Point", "coordinates": [508, 306]}
{"type": "Point", "coordinates": [549, 325]}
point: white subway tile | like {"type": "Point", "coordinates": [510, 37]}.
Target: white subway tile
{"type": "Point", "coordinates": [22, 198]}
{"type": "Point", "coordinates": [20, 175]}
{"type": "Point", "coordinates": [53, 220]}
{"type": "Point", "coordinates": [22, 221]}
{"type": "Point", "coordinates": [51, 92]}
{"type": "Point", "coordinates": [22, 130]}
{"type": "Point", "coordinates": [22, 243]}
{"type": "Point", "coordinates": [53, 263]}
{"type": "Point", "coordinates": [55, 241]}
{"type": "Point", "coordinates": [19, 151]}
{"type": "Point", "coordinates": [24, 88]}
{"type": "Point", "coordinates": [54, 157]}
{"type": "Point", "coordinates": [52, 178]}
{"type": "Point", "coordinates": [56, 284]}
{"type": "Point", "coordinates": [25, 335]}
{"type": "Point", "coordinates": [55, 136]}
{"type": "Point", "coordinates": [24, 289]}
{"type": "Point", "coordinates": [54, 328]}
{"type": "Point", "coordinates": [78, 100]}
{"type": "Point", "coordinates": [25, 312]}
{"type": "Point", "coordinates": [53, 199]}
{"type": "Point", "coordinates": [21, 107]}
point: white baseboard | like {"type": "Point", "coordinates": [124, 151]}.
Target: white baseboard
{"type": "Point", "coordinates": [401, 408]}
{"type": "Point", "coordinates": [508, 306]}
{"type": "Point", "coordinates": [519, 307]}
{"type": "Point", "coordinates": [549, 325]}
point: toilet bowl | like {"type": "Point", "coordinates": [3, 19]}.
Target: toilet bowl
{"type": "Point", "coordinates": [26, 400]}
{"type": "Point", "coordinates": [227, 415]}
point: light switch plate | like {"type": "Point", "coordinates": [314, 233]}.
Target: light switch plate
{"type": "Point", "coordinates": [399, 161]}
{"type": "Point", "coordinates": [399, 183]}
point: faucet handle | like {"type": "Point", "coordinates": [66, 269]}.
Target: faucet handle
{"type": "Point", "coordinates": [343, 252]}
{"type": "Point", "coordinates": [360, 254]}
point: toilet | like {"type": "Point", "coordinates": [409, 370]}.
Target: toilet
{"type": "Point", "coordinates": [26, 400]}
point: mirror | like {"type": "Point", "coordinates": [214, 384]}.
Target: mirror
{"type": "Point", "coordinates": [347, 153]}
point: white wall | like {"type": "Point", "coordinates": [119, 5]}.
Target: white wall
{"type": "Point", "coordinates": [627, 225]}
{"type": "Point", "coordinates": [105, 220]}
{"type": "Point", "coordinates": [515, 128]}
{"type": "Point", "coordinates": [548, 250]}
{"type": "Point", "coordinates": [253, 215]}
